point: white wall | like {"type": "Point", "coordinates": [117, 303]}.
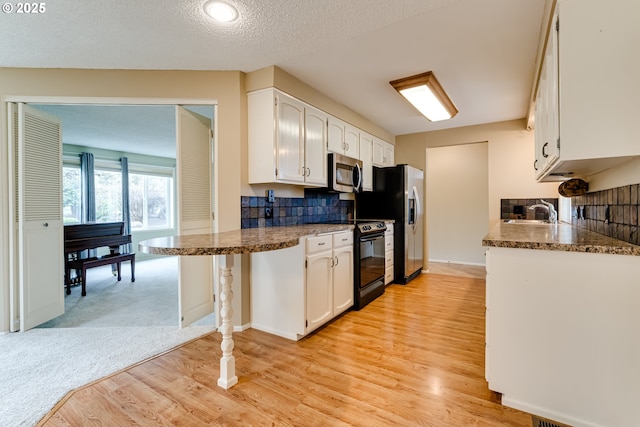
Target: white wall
{"type": "Point", "coordinates": [457, 202]}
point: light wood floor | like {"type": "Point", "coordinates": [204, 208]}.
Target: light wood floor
{"type": "Point", "coordinates": [413, 357]}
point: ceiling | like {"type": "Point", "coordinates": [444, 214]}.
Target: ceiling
{"type": "Point", "coordinates": [483, 52]}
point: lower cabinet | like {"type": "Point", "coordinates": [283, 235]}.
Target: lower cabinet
{"type": "Point", "coordinates": [298, 289]}
{"type": "Point", "coordinates": [562, 336]}
{"type": "Point", "coordinates": [388, 254]}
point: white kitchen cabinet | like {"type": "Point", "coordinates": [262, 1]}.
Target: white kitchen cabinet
{"type": "Point", "coordinates": [383, 153]}
{"type": "Point", "coordinates": [296, 290]}
{"type": "Point", "coordinates": [562, 336]}
{"type": "Point", "coordinates": [315, 155]}
{"type": "Point", "coordinates": [366, 155]}
{"type": "Point", "coordinates": [547, 132]}
{"type": "Point", "coordinates": [596, 73]}
{"type": "Point", "coordinates": [319, 281]}
{"type": "Point", "coordinates": [342, 272]}
{"type": "Point", "coordinates": [287, 140]}
{"type": "Point", "coordinates": [388, 254]}
{"type": "Point", "coordinates": [343, 138]}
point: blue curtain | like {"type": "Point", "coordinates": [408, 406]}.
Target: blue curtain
{"type": "Point", "coordinates": [88, 191]}
{"type": "Point", "coordinates": [126, 214]}
{"type": "Point", "coordinates": [88, 186]}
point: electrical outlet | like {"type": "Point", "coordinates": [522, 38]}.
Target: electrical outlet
{"type": "Point", "coordinates": [268, 212]}
{"type": "Point", "coordinates": [270, 197]}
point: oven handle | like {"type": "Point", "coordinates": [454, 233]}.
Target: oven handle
{"type": "Point", "coordinates": [370, 238]}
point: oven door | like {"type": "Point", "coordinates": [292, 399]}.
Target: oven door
{"type": "Point", "coordinates": [371, 258]}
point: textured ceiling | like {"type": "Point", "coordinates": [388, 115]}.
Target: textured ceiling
{"type": "Point", "coordinates": [483, 52]}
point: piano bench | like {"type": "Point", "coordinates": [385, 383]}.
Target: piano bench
{"type": "Point", "coordinates": [85, 263]}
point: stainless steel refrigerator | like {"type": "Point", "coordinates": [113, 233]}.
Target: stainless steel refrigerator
{"type": "Point", "coordinates": [398, 194]}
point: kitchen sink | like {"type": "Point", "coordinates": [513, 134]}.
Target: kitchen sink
{"type": "Point", "coordinates": [527, 221]}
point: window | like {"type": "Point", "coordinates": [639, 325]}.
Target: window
{"type": "Point", "coordinates": [71, 199]}
{"type": "Point", "coordinates": [108, 195]}
{"type": "Point", "coordinates": [150, 194]}
{"type": "Point", "coordinates": [150, 201]}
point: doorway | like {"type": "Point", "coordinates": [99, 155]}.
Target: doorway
{"type": "Point", "coordinates": [91, 116]}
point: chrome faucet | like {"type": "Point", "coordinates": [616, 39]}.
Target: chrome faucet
{"type": "Point", "coordinates": [553, 215]}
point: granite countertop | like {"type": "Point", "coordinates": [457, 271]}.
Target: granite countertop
{"type": "Point", "coordinates": [237, 241]}
{"type": "Point", "coordinates": [556, 237]}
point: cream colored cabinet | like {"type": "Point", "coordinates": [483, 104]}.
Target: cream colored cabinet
{"type": "Point", "coordinates": [298, 289]}
{"type": "Point", "coordinates": [597, 122]}
{"type": "Point", "coordinates": [388, 254]}
{"type": "Point", "coordinates": [553, 316]}
{"type": "Point", "coordinates": [319, 281]}
{"type": "Point", "coordinates": [315, 155]}
{"type": "Point", "coordinates": [383, 153]}
{"type": "Point", "coordinates": [287, 140]}
{"type": "Point", "coordinates": [343, 138]}
{"type": "Point", "coordinates": [342, 272]}
{"type": "Point", "coordinates": [547, 132]}
{"type": "Point", "coordinates": [366, 155]}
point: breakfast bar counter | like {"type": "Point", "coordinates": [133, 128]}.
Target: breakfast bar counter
{"type": "Point", "coordinates": [227, 244]}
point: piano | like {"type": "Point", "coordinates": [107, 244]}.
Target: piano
{"type": "Point", "coordinates": [81, 237]}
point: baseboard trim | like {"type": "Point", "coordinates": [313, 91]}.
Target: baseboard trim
{"type": "Point", "coordinates": [446, 261]}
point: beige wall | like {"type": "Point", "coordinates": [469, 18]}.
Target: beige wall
{"type": "Point", "coordinates": [226, 88]}
{"type": "Point", "coordinates": [458, 211]}
{"type": "Point", "coordinates": [510, 160]}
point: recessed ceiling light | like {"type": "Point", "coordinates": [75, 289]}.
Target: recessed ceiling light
{"type": "Point", "coordinates": [221, 11]}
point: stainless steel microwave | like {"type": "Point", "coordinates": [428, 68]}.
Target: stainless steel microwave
{"type": "Point", "coordinates": [345, 173]}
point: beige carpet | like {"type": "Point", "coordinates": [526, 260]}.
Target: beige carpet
{"type": "Point", "coordinates": [115, 326]}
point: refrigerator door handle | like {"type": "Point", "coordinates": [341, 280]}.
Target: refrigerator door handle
{"type": "Point", "coordinates": [415, 208]}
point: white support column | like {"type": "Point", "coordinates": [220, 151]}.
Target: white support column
{"type": "Point", "coordinates": [228, 376]}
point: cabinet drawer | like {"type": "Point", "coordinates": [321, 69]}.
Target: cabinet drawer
{"type": "Point", "coordinates": [388, 275]}
{"type": "Point", "coordinates": [343, 239]}
{"type": "Point", "coordinates": [388, 243]}
{"type": "Point", "coordinates": [389, 230]}
{"type": "Point", "coordinates": [319, 243]}
{"type": "Point", "coordinates": [388, 258]}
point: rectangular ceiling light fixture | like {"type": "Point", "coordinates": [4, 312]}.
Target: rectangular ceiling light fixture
{"type": "Point", "coordinates": [424, 92]}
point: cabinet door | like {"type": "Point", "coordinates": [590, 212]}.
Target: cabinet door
{"type": "Point", "coordinates": [342, 279]}
{"type": "Point", "coordinates": [547, 130]}
{"type": "Point", "coordinates": [319, 298]}
{"type": "Point", "coordinates": [290, 138]}
{"type": "Point", "coordinates": [389, 150]}
{"type": "Point", "coordinates": [378, 152]}
{"type": "Point", "coordinates": [315, 156]}
{"type": "Point", "coordinates": [335, 142]}
{"type": "Point", "coordinates": [351, 141]}
{"type": "Point", "coordinates": [366, 155]}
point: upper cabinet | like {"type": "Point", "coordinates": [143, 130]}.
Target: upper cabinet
{"type": "Point", "coordinates": [383, 153]}
{"type": "Point", "coordinates": [366, 155]}
{"type": "Point", "coordinates": [585, 117]}
{"type": "Point", "coordinates": [287, 140]}
{"type": "Point", "coordinates": [343, 138]}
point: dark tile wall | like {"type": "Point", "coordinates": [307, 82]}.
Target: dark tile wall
{"type": "Point", "coordinates": [612, 212]}
{"type": "Point", "coordinates": [519, 209]}
{"type": "Point", "coordinates": [315, 207]}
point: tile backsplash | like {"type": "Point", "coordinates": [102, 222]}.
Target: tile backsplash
{"type": "Point", "coordinates": [519, 208]}
{"type": "Point", "coordinates": [314, 207]}
{"type": "Point", "coordinates": [612, 212]}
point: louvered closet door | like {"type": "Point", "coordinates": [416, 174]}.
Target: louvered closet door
{"type": "Point", "coordinates": [39, 265]}
{"type": "Point", "coordinates": [194, 212]}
